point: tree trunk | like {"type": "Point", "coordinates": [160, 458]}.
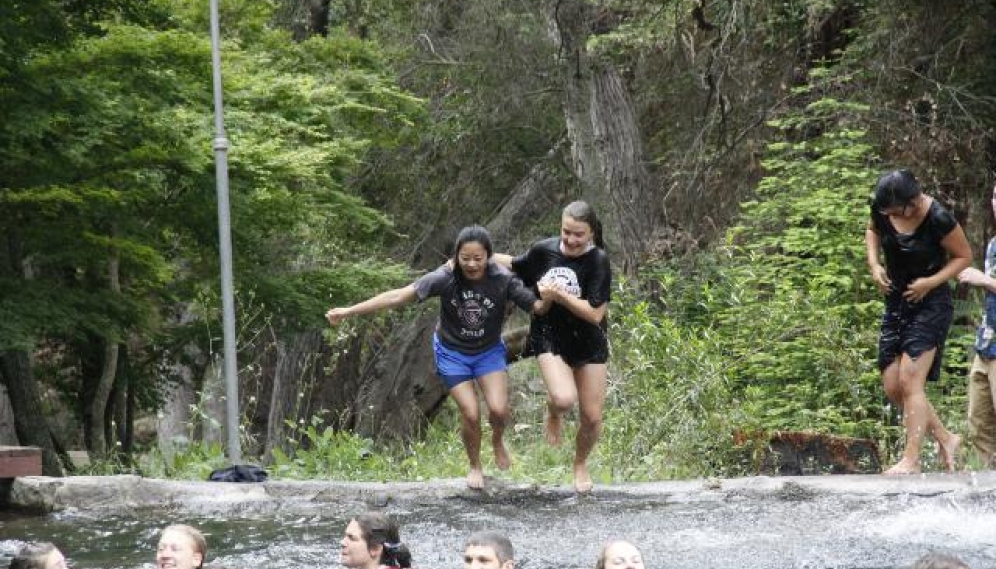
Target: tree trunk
{"type": "Point", "coordinates": [607, 151]}
{"type": "Point", "coordinates": [29, 419]}
{"type": "Point", "coordinates": [95, 412]}
{"type": "Point", "coordinates": [8, 436]}
{"type": "Point", "coordinates": [541, 191]}
{"type": "Point", "coordinates": [293, 381]}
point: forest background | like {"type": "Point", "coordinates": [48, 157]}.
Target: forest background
{"type": "Point", "coordinates": [729, 145]}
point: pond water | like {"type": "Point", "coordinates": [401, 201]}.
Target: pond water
{"type": "Point", "coordinates": [560, 532]}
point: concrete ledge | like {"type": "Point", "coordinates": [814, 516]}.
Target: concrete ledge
{"type": "Point", "coordinates": [119, 493]}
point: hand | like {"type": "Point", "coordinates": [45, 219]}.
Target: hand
{"type": "Point", "coordinates": [972, 276]}
{"type": "Point", "coordinates": [881, 278]}
{"type": "Point", "coordinates": [336, 315]}
{"type": "Point", "coordinates": [917, 290]}
{"type": "Point", "coordinates": [549, 291]}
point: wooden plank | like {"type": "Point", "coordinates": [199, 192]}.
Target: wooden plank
{"type": "Point", "coordinates": [20, 461]}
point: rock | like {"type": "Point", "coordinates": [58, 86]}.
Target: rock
{"type": "Point", "coordinates": [789, 453]}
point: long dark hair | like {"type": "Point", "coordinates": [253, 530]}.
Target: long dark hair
{"type": "Point", "coordinates": [470, 234]}
{"type": "Point", "coordinates": [378, 529]}
{"type": "Point", "coordinates": [896, 188]}
{"type": "Point", "coordinates": [581, 211]}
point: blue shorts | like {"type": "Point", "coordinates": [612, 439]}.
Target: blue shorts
{"type": "Point", "coordinates": [455, 367]}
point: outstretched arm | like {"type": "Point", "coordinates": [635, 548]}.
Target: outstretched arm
{"type": "Point", "coordinates": [384, 300]}
{"type": "Point", "coordinates": [975, 277]}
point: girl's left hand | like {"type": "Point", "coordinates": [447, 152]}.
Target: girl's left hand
{"type": "Point", "coordinates": [917, 290]}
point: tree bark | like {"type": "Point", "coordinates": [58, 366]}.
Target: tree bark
{"type": "Point", "coordinates": [293, 382]}
{"type": "Point", "coordinates": [95, 412]}
{"type": "Point", "coordinates": [29, 420]}
{"type": "Point", "coordinates": [607, 150]}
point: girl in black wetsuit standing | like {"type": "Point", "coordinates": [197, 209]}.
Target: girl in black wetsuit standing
{"type": "Point", "coordinates": [924, 247]}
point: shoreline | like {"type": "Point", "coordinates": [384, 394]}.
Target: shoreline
{"type": "Point", "coordinates": [109, 494]}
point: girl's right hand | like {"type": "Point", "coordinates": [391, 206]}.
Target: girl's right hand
{"type": "Point", "coordinates": [881, 278]}
{"type": "Point", "coordinates": [336, 315]}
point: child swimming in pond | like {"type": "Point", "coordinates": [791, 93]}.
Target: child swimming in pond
{"type": "Point", "coordinates": [40, 555]}
{"type": "Point", "coordinates": [488, 550]}
{"type": "Point", "coordinates": [371, 541]}
{"type": "Point", "coordinates": [181, 547]}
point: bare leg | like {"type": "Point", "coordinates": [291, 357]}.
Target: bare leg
{"type": "Point", "coordinates": [590, 380]}
{"type": "Point", "coordinates": [495, 388]}
{"type": "Point", "coordinates": [919, 416]}
{"type": "Point", "coordinates": [470, 430]}
{"type": "Point", "coordinates": [562, 393]}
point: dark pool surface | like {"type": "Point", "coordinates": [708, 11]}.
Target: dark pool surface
{"type": "Point", "coordinates": [562, 533]}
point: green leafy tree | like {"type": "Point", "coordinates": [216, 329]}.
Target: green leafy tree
{"type": "Point", "coordinates": [108, 190]}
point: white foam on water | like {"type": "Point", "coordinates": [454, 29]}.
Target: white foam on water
{"type": "Point", "coordinates": [950, 524]}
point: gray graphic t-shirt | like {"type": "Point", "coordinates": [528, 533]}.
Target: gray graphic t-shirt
{"type": "Point", "coordinates": [471, 313]}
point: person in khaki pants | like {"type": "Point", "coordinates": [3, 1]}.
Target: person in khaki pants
{"type": "Point", "coordinates": [982, 377]}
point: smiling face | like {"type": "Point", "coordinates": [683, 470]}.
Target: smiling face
{"type": "Point", "coordinates": [177, 550]}
{"type": "Point", "coordinates": [354, 551]}
{"type": "Point", "coordinates": [623, 555]}
{"type": "Point", "coordinates": [575, 236]}
{"type": "Point", "coordinates": [473, 260]}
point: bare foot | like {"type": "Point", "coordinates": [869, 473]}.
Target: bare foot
{"type": "Point", "coordinates": [553, 428]}
{"type": "Point", "coordinates": [949, 451]}
{"type": "Point", "coordinates": [904, 466]}
{"type": "Point", "coordinates": [475, 479]}
{"type": "Point", "coordinates": [582, 480]}
{"type": "Point", "coordinates": [502, 459]}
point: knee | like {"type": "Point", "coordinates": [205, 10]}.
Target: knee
{"type": "Point", "coordinates": [591, 420]}
{"type": "Point", "coordinates": [894, 391]}
{"type": "Point", "coordinates": [498, 417]}
{"type": "Point", "coordinates": [471, 419]}
{"type": "Point", "coordinates": [561, 403]}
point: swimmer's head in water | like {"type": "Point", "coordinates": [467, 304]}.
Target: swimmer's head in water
{"type": "Point", "coordinates": [488, 550]}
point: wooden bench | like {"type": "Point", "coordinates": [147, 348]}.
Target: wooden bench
{"type": "Point", "coordinates": [20, 461]}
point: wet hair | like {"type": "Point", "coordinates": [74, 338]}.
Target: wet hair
{"type": "Point", "coordinates": [581, 211]}
{"type": "Point", "coordinates": [470, 234]}
{"type": "Point", "coordinates": [896, 188]}
{"type": "Point", "coordinates": [604, 553]}
{"type": "Point", "coordinates": [497, 541]}
{"type": "Point", "coordinates": [33, 555]}
{"type": "Point", "coordinates": [378, 529]}
{"type": "Point", "coordinates": [935, 560]}
{"type": "Point", "coordinates": [195, 535]}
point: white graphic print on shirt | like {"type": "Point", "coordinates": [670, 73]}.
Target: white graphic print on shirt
{"type": "Point", "coordinates": [473, 309]}
{"type": "Point", "coordinates": [565, 277]}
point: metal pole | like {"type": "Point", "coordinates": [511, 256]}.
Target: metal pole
{"type": "Point", "coordinates": [225, 242]}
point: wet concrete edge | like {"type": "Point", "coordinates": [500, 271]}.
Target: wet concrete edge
{"type": "Point", "coordinates": [102, 494]}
